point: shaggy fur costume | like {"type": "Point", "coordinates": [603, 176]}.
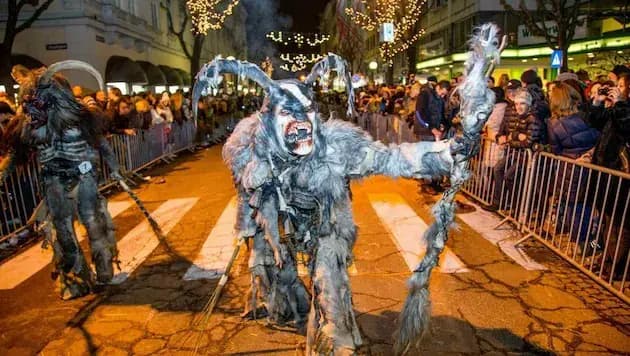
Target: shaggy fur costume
{"type": "Point", "coordinates": [300, 202]}
{"type": "Point", "coordinates": [68, 139]}
{"type": "Point", "coordinates": [291, 171]}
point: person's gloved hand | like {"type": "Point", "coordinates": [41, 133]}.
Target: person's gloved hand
{"type": "Point", "coordinates": [115, 175]}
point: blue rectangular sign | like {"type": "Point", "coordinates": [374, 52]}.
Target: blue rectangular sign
{"type": "Point", "coordinates": [556, 59]}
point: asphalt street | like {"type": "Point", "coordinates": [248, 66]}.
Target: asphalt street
{"type": "Point", "coordinates": [489, 297]}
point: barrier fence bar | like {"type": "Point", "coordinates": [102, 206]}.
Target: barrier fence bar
{"type": "Point", "coordinates": [20, 194]}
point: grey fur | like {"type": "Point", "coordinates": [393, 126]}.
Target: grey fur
{"type": "Point", "coordinates": [310, 194]}
{"type": "Point", "coordinates": [333, 62]}
{"type": "Point", "coordinates": [476, 105]}
{"type": "Point", "coordinates": [343, 151]}
{"type": "Point", "coordinates": [71, 64]}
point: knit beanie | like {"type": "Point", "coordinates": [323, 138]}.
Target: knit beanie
{"type": "Point", "coordinates": [566, 76]}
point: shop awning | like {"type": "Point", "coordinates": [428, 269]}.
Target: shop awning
{"type": "Point", "coordinates": [123, 69]}
{"type": "Point", "coordinates": [27, 61]}
{"type": "Point", "coordinates": [172, 75]}
{"type": "Point", "coordinates": [185, 76]}
{"type": "Point", "coordinates": [153, 73]}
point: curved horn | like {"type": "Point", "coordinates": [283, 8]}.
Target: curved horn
{"type": "Point", "coordinates": [72, 64]}
{"type": "Point", "coordinates": [210, 76]}
{"type": "Point", "coordinates": [329, 63]}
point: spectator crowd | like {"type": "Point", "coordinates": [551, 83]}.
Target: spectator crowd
{"type": "Point", "coordinates": [581, 119]}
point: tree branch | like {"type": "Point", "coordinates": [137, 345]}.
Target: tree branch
{"type": "Point", "coordinates": [166, 5]}
{"type": "Point", "coordinates": [33, 17]}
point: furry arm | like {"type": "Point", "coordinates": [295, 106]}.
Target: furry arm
{"type": "Point", "coordinates": [361, 156]}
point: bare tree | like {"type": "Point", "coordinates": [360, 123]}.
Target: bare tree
{"type": "Point", "coordinates": [13, 28]}
{"type": "Point", "coordinates": [564, 13]}
{"type": "Point", "coordinates": [345, 40]}
{"type": "Point", "coordinates": [404, 15]}
{"type": "Point", "coordinates": [193, 54]}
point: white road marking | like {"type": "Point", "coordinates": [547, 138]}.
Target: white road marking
{"type": "Point", "coordinates": [484, 222]}
{"type": "Point", "coordinates": [138, 244]}
{"type": "Point", "coordinates": [406, 229]}
{"type": "Point", "coordinates": [218, 248]}
{"type": "Point", "coordinates": [26, 264]}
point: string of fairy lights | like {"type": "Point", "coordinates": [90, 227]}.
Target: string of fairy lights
{"type": "Point", "coordinates": [299, 39]}
{"type": "Point", "coordinates": [298, 62]}
{"type": "Point", "coordinates": [402, 14]}
{"type": "Point", "coordinates": [206, 15]}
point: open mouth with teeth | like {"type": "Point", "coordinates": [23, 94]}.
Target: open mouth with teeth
{"type": "Point", "coordinates": [298, 136]}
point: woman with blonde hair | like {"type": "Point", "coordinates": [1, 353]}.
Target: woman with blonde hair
{"type": "Point", "coordinates": [570, 134]}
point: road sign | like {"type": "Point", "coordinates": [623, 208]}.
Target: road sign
{"type": "Point", "coordinates": [556, 59]}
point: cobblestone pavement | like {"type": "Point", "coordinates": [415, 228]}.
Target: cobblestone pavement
{"type": "Point", "coordinates": [497, 307]}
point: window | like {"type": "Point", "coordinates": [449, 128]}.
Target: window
{"type": "Point", "coordinates": [155, 15]}
{"type": "Point", "coordinates": [132, 7]}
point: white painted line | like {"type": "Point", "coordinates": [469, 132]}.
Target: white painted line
{"type": "Point", "coordinates": [484, 222]}
{"type": "Point", "coordinates": [218, 248]}
{"type": "Point", "coordinates": [406, 229]}
{"type": "Point", "coordinates": [138, 244]}
{"type": "Point", "coordinates": [31, 261]}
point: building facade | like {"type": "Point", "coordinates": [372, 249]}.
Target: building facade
{"type": "Point", "coordinates": [599, 42]}
{"type": "Point", "coordinates": [127, 41]}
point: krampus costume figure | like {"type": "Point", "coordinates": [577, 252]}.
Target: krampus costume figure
{"type": "Point", "coordinates": [68, 138]}
{"type": "Point", "coordinates": [291, 171]}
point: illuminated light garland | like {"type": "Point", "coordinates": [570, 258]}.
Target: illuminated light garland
{"type": "Point", "coordinates": [293, 68]}
{"type": "Point", "coordinates": [402, 14]}
{"type": "Point", "coordinates": [300, 39]}
{"type": "Point", "coordinates": [205, 15]}
{"type": "Point", "coordinates": [298, 61]}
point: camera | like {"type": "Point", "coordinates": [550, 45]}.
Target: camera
{"type": "Point", "coordinates": [603, 91]}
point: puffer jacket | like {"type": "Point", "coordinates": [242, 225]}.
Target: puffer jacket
{"type": "Point", "coordinates": [571, 136]}
{"type": "Point", "coordinates": [514, 124]}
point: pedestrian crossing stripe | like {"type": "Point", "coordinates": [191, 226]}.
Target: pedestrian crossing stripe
{"type": "Point", "coordinates": [24, 265]}
{"type": "Point", "coordinates": [484, 222]}
{"type": "Point", "coordinates": [218, 248]}
{"type": "Point", "coordinates": [138, 244]}
{"type": "Point", "coordinates": [406, 230]}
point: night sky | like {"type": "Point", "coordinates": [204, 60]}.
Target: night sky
{"type": "Point", "coordinates": [305, 13]}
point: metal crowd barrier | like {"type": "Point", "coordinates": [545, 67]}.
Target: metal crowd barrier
{"type": "Point", "coordinates": [578, 210]}
{"type": "Point", "coordinates": [20, 194]}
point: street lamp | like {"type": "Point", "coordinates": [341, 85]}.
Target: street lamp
{"type": "Point", "coordinates": [373, 66]}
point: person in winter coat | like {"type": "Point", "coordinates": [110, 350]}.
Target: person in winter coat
{"type": "Point", "coordinates": [570, 134]}
{"type": "Point", "coordinates": [613, 151]}
{"type": "Point", "coordinates": [540, 108]}
{"type": "Point", "coordinates": [429, 120]}
{"type": "Point", "coordinates": [493, 152]}
{"type": "Point", "coordinates": [519, 132]}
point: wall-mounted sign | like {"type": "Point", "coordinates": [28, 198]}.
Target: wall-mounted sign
{"type": "Point", "coordinates": [556, 59]}
{"type": "Point", "coordinates": [56, 46]}
{"type": "Point", "coordinates": [386, 32]}
{"type": "Point", "coordinates": [526, 37]}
